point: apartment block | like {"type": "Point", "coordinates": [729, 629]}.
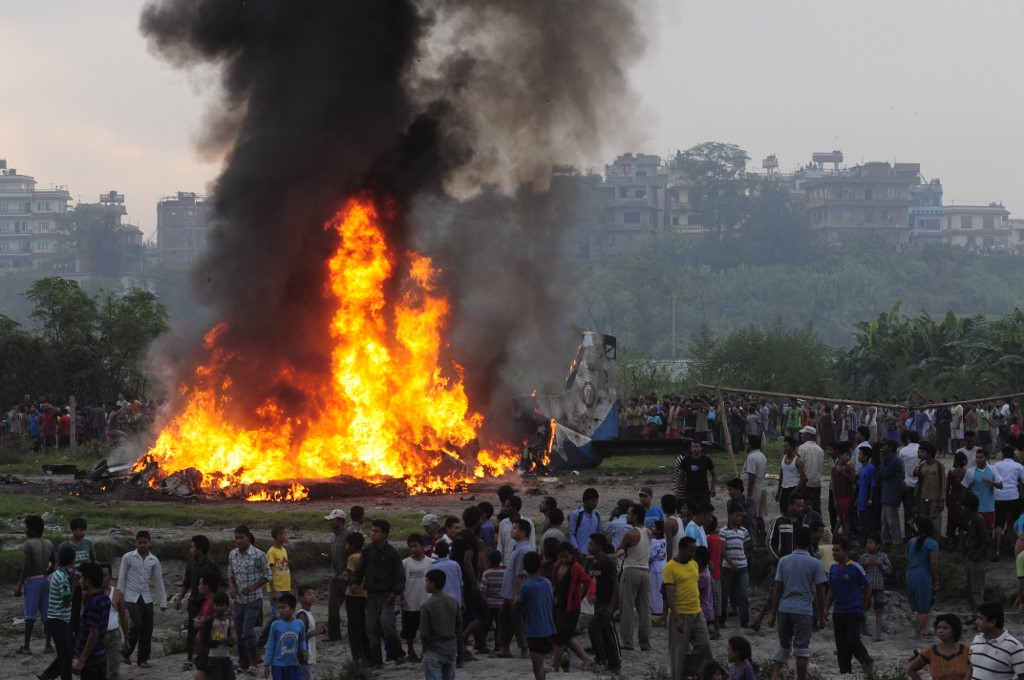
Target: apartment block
{"type": "Point", "coordinates": [183, 222]}
{"type": "Point", "coordinates": [28, 219]}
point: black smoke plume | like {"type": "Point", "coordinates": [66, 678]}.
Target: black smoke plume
{"type": "Point", "coordinates": [436, 104]}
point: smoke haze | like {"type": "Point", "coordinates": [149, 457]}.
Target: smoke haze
{"type": "Point", "coordinates": [322, 100]}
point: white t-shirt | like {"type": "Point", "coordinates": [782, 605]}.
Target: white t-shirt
{"type": "Point", "coordinates": [908, 454]}
{"type": "Point", "coordinates": [1011, 472]}
{"type": "Point", "coordinates": [415, 573]}
{"type": "Point", "coordinates": [972, 456]}
{"type": "Point", "coordinates": [957, 417]}
{"type": "Point", "coordinates": [756, 467]}
{"type": "Point", "coordinates": [813, 456]}
{"type": "Point", "coordinates": [310, 641]}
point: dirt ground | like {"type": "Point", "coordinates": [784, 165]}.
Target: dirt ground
{"type": "Point", "coordinates": [893, 651]}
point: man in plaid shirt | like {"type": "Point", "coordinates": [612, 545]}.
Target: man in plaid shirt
{"type": "Point", "coordinates": [248, 572]}
{"type": "Point", "coordinates": [877, 566]}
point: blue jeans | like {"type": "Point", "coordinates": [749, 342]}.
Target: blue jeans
{"type": "Point", "coordinates": [740, 581]}
{"type": "Point", "coordinates": [261, 640]}
{"type": "Point", "coordinates": [438, 666]}
{"type": "Point", "coordinates": [245, 626]}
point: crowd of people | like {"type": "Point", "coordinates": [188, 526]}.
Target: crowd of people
{"type": "Point", "coordinates": [49, 425]}
{"type": "Point", "coordinates": [578, 588]}
{"type": "Point", "coordinates": [699, 417]}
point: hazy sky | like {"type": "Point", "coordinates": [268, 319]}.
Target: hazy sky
{"type": "Point", "coordinates": [940, 82]}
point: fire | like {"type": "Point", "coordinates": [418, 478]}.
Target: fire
{"type": "Point", "coordinates": [546, 459]}
{"type": "Point", "coordinates": [388, 409]}
{"type": "Point", "coordinates": [296, 492]}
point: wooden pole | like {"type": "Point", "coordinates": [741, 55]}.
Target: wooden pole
{"type": "Point", "coordinates": [722, 418]}
{"type": "Point", "coordinates": [766, 393]}
{"type": "Point", "coordinates": [974, 401]}
{"type": "Point", "coordinates": [74, 429]}
{"type": "Point", "coordinates": [854, 402]}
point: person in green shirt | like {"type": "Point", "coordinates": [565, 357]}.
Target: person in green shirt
{"type": "Point", "coordinates": [84, 552]}
{"type": "Point", "coordinates": [794, 419]}
{"type": "Point", "coordinates": [984, 428]}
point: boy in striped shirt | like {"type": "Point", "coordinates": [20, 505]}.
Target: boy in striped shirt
{"type": "Point", "coordinates": [735, 577]}
{"type": "Point", "coordinates": [59, 615]}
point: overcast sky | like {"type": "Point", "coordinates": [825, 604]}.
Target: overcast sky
{"type": "Point", "coordinates": [940, 82]}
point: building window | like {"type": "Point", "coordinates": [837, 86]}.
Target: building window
{"type": "Point", "coordinates": [640, 193]}
{"type": "Point", "coordinates": [3, 207]}
{"type": "Point", "coordinates": [43, 226]}
{"type": "Point", "coordinates": [675, 221]}
{"type": "Point", "coordinates": [4, 246]}
{"type": "Point", "coordinates": [966, 222]}
{"type": "Point", "coordinates": [988, 222]}
{"type": "Point", "coordinates": [631, 218]}
{"type": "Point", "coordinates": [845, 215]}
{"type": "Point", "coordinates": [623, 192]}
{"type": "Point", "coordinates": [190, 223]}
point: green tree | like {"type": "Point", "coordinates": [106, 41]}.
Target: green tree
{"type": "Point", "coordinates": [19, 361]}
{"type": "Point", "coordinates": [775, 358]}
{"type": "Point", "coordinates": [92, 346]}
{"type": "Point", "coordinates": [66, 318]}
{"type": "Point", "coordinates": [722, 184]}
{"type": "Point", "coordinates": [127, 325]}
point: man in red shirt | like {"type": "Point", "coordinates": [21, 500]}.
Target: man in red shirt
{"type": "Point", "coordinates": [48, 425]}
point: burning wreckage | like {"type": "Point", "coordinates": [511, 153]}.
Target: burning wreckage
{"type": "Point", "coordinates": [361, 336]}
{"type": "Point", "coordinates": [567, 429]}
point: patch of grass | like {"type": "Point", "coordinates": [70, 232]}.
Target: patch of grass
{"type": "Point", "coordinates": [638, 465]}
{"type": "Point", "coordinates": [354, 670]}
{"type": "Point", "coordinates": [152, 514]}
{"type": "Point", "coordinates": [18, 458]}
{"type": "Point", "coordinates": [659, 673]}
{"type": "Point", "coordinates": [174, 644]}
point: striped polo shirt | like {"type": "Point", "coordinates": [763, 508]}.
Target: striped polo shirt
{"type": "Point", "coordinates": [996, 659]}
{"type": "Point", "coordinates": [60, 588]}
{"type": "Point", "coordinates": [735, 539]}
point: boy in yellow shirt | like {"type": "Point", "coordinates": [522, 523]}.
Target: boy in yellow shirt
{"type": "Point", "coordinates": [281, 577]}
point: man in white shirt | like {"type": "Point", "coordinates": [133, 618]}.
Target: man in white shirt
{"type": "Point", "coordinates": [908, 454]}
{"type": "Point", "coordinates": [969, 449]}
{"type": "Point", "coordinates": [138, 578]}
{"type": "Point", "coordinates": [754, 474]}
{"type": "Point", "coordinates": [513, 508]}
{"type": "Point", "coordinates": [810, 477]}
{"type": "Point", "coordinates": [956, 424]}
{"type": "Point", "coordinates": [1008, 497]}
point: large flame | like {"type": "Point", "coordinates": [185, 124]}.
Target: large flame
{"type": "Point", "coordinates": [387, 411]}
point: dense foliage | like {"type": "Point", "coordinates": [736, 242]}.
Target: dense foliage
{"type": "Point", "coordinates": [88, 346]}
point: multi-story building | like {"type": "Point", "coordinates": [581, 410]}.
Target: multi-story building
{"type": "Point", "coordinates": [680, 216]}
{"type": "Point", "coordinates": [985, 227]}
{"type": "Point", "coordinates": [183, 223]}
{"type": "Point", "coordinates": [28, 219]}
{"type": "Point", "coordinates": [925, 212]}
{"type": "Point", "coordinates": [631, 199]}
{"type": "Point", "coordinates": [873, 198]}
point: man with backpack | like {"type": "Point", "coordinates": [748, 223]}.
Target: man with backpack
{"type": "Point", "coordinates": [584, 521]}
